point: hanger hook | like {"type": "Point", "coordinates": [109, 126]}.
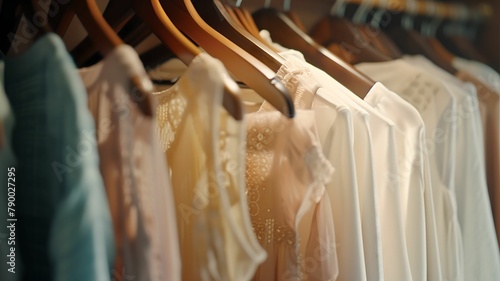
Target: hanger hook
{"type": "Point", "coordinates": [376, 20]}
{"type": "Point", "coordinates": [287, 5]}
{"type": "Point", "coordinates": [362, 12]}
{"type": "Point", "coordinates": [408, 21]}
{"type": "Point", "coordinates": [338, 8]}
{"type": "Point", "coordinates": [238, 3]}
{"type": "Point", "coordinates": [432, 25]}
{"type": "Point", "coordinates": [429, 29]}
{"type": "Point", "coordinates": [267, 4]}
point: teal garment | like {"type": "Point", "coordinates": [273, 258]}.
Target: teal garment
{"type": "Point", "coordinates": [8, 271]}
{"type": "Point", "coordinates": [64, 225]}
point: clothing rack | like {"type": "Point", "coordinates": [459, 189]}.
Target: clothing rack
{"type": "Point", "coordinates": [450, 11]}
{"type": "Point", "coordinates": [214, 140]}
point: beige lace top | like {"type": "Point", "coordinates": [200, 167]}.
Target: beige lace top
{"type": "Point", "coordinates": [286, 174]}
{"type": "Point", "coordinates": [205, 147]}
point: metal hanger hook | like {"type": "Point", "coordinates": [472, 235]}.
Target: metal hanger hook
{"type": "Point", "coordinates": [429, 29]}
{"type": "Point", "coordinates": [408, 21]}
{"type": "Point", "coordinates": [362, 12]}
{"type": "Point", "coordinates": [338, 8]}
{"type": "Point", "coordinates": [287, 5]}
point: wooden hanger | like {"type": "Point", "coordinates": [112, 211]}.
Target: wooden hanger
{"type": "Point", "coordinates": [346, 35]}
{"type": "Point", "coordinates": [411, 42]}
{"type": "Point", "coordinates": [241, 14]}
{"type": "Point", "coordinates": [214, 14]}
{"type": "Point", "coordinates": [233, 15]}
{"type": "Point", "coordinates": [402, 28]}
{"type": "Point", "coordinates": [413, 11]}
{"type": "Point", "coordinates": [245, 14]}
{"type": "Point", "coordinates": [107, 40]}
{"type": "Point", "coordinates": [134, 13]}
{"type": "Point", "coordinates": [463, 47]}
{"type": "Point", "coordinates": [116, 14]}
{"type": "Point", "coordinates": [284, 32]}
{"type": "Point", "coordinates": [371, 30]}
{"type": "Point", "coordinates": [245, 17]}
{"type": "Point", "coordinates": [430, 30]}
{"type": "Point", "coordinates": [245, 67]}
{"type": "Point", "coordinates": [152, 13]}
{"type": "Point", "coordinates": [246, 21]}
{"type": "Point", "coordinates": [458, 40]}
{"type": "Point", "coordinates": [238, 15]}
{"type": "Point", "coordinates": [444, 10]}
{"type": "Point", "coordinates": [296, 20]}
{"type": "Point", "coordinates": [440, 50]}
{"type": "Point", "coordinates": [343, 32]}
{"type": "Point", "coordinates": [99, 31]}
{"type": "Point", "coordinates": [379, 40]}
{"type": "Point", "coordinates": [414, 43]}
{"type": "Point", "coordinates": [287, 10]}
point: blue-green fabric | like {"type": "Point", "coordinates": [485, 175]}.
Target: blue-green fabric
{"type": "Point", "coordinates": [64, 227]}
{"type": "Point", "coordinates": [7, 162]}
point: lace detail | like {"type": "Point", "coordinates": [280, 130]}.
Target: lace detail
{"type": "Point", "coordinates": [269, 232]}
{"type": "Point", "coordinates": [285, 175]}
{"type": "Point", "coordinates": [300, 83]}
{"type": "Point", "coordinates": [259, 155]}
{"type": "Point", "coordinates": [170, 109]}
{"type": "Point", "coordinates": [321, 170]}
{"type": "Point", "coordinates": [227, 163]}
{"type": "Point", "coordinates": [133, 169]}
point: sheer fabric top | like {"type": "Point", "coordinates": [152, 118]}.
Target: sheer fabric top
{"type": "Point", "coordinates": [134, 171]}
{"type": "Point", "coordinates": [489, 105]}
{"type": "Point", "coordinates": [409, 129]}
{"type": "Point", "coordinates": [381, 222]}
{"type": "Point", "coordinates": [481, 254]}
{"type": "Point", "coordinates": [341, 133]}
{"type": "Point", "coordinates": [286, 175]}
{"type": "Point", "coordinates": [203, 145]}
{"type": "Point", "coordinates": [352, 192]}
{"type": "Point", "coordinates": [436, 104]}
{"type": "Point", "coordinates": [346, 128]}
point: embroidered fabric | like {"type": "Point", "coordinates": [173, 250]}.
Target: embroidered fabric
{"type": "Point", "coordinates": [300, 83]}
{"type": "Point", "coordinates": [352, 193]}
{"type": "Point", "coordinates": [286, 175]}
{"type": "Point", "coordinates": [286, 172]}
{"type": "Point", "coordinates": [170, 111]}
{"type": "Point", "coordinates": [133, 169]}
{"type": "Point", "coordinates": [231, 153]}
{"type": "Point", "coordinates": [204, 146]}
